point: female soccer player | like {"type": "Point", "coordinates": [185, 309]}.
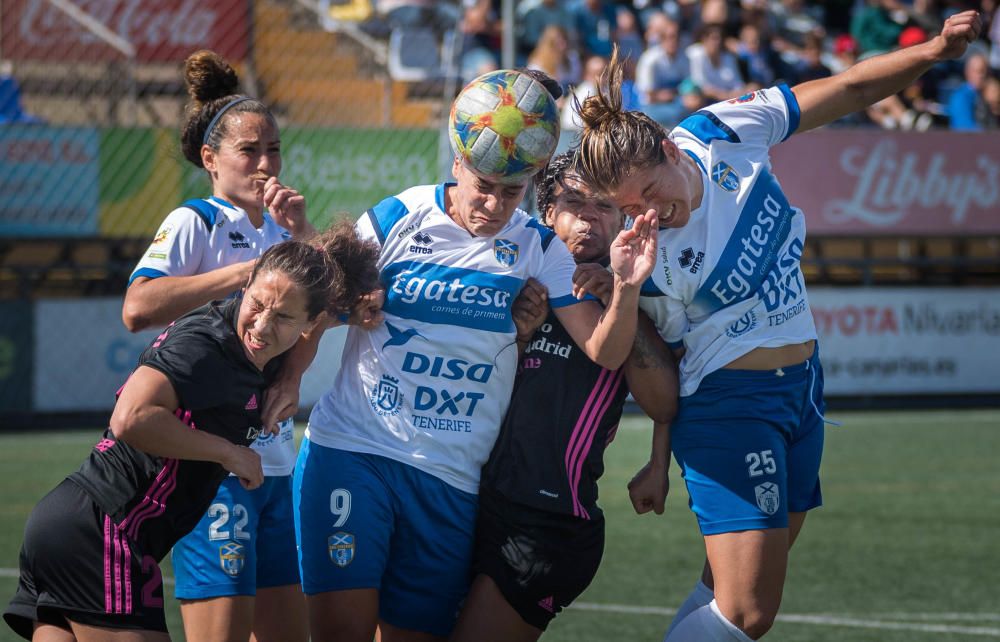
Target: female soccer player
{"type": "Point", "coordinates": [183, 421]}
{"type": "Point", "coordinates": [203, 251]}
{"type": "Point", "coordinates": [728, 290]}
{"type": "Point", "coordinates": [540, 532]}
{"type": "Point", "coordinates": [386, 480]}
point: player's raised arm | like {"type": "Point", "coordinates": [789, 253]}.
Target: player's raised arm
{"type": "Point", "coordinates": [825, 100]}
{"type": "Point", "coordinates": [606, 335]}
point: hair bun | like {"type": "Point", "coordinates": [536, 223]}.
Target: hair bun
{"type": "Point", "coordinates": [208, 76]}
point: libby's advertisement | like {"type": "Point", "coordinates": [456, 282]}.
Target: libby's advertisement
{"type": "Point", "coordinates": [854, 183]}
{"type": "Point", "coordinates": [908, 341]}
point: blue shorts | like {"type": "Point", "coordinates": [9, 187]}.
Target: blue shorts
{"type": "Point", "coordinates": [245, 541]}
{"type": "Point", "coordinates": [749, 444]}
{"type": "Point", "coordinates": [366, 521]}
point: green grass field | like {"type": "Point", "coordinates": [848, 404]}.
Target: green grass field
{"type": "Point", "coordinates": [907, 547]}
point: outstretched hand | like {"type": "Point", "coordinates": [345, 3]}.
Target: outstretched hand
{"type": "Point", "coordinates": [957, 33]}
{"type": "Point", "coordinates": [633, 252]}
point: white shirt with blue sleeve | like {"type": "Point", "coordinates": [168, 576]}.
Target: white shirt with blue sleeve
{"type": "Point", "coordinates": [204, 235]}
{"type": "Point", "coordinates": [430, 386]}
{"type": "Point", "coordinates": [730, 280]}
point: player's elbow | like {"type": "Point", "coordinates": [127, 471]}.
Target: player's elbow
{"type": "Point", "coordinates": [123, 418]}
{"type": "Point", "coordinates": [661, 407]}
{"type": "Point", "coordinates": [134, 315]}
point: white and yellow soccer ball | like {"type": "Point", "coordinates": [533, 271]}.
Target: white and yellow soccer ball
{"type": "Point", "coordinates": [504, 125]}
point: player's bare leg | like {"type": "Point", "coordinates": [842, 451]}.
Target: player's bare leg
{"type": "Point", "coordinates": [279, 615]}
{"type": "Point", "coordinates": [795, 523]}
{"type": "Point", "coordinates": [218, 618]}
{"type": "Point", "coordinates": [51, 633]}
{"type": "Point", "coordinates": [391, 633]}
{"type": "Point", "coordinates": [86, 633]}
{"type": "Point", "coordinates": [343, 616]}
{"type": "Point", "coordinates": [487, 616]}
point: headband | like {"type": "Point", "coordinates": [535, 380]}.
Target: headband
{"type": "Point", "coordinates": [215, 119]}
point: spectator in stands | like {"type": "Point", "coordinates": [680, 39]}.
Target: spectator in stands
{"type": "Point", "coordinates": [655, 22]}
{"type": "Point", "coordinates": [534, 20]}
{"type": "Point", "coordinates": [595, 22]}
{"type": "Point", "coordinates": [877, 26]}
{"type": "Point", "coordinates": [592, 70]}
{"type": "Point", "coordinates": [755, 56]}
{"type": "Point", "coordinates": [556, 57]}
{"type": "Point", "coordinates": [627, 35]}
{"type": "Point", "coordinates": [659, 73]}
{"type": "Point", "coordinates": [714, 69]}
{"type": "Point", "coordinates": [810, 66]}
{"type": "Point", "coordinates": [967, 110]}
{"type": "Point", "coordinates": [480, 33]}
{"type": "Point", "coordinates": [994, 37]}
{"type": "Point", "coordinates": [10, 103]}
{"type": "Point", "coordinates": [991, 96]}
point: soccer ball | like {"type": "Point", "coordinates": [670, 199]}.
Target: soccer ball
{"type": "Point", "coordinates": [504, 125]}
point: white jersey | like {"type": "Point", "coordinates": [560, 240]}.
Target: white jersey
{"type": "Point", "coordinates": [729, 281]}
{"type": "Point", "coordinates": [430, 386]}
{"type": "Point", "coordinates": [204, 235]}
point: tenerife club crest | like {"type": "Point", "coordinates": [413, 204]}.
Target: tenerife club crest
{"type": "Point", "coordinates": [386, 399]}
{"type": "Point", "coordinates": [232, 557]}
{"type": "Point", "coordinates": [726, 176]}
{"type": "Point", "coordinates": [505, 252]}
{"type": "Point", "coordinates": [741, 326]}
{"type": "Point", "coordinates": [341, 548]}
{"type": "Point", "coordinates": [767, 497]}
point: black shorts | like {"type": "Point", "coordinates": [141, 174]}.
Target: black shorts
{"type": "Point", "coordinates": [76, 565]}
{"type": "Point", "coordinates": [541, 561]}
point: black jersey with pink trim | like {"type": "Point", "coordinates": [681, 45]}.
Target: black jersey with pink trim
{"type": "Point", "coordinates": [563, 413]}
{"type": "Point", "coordinates": [157, 500]}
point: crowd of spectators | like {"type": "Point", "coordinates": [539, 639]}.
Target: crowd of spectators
{"type": "Point", "coordinates": [687, 53]}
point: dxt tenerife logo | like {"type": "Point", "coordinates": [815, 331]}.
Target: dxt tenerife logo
{"type": "Point", "coordinates": [238, 240]}
{"type": "Point", "coordinates": [446, 393]}
{"type": "Point", "coordinates": [443, 294]}
{"type": "Point", "coordinates": [386, 399]}
{"type": "Point", "coordinates": [422, 242]}
{"type": "Point", "coordinates": [505, 252]}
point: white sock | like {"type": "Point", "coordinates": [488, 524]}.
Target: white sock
{"type": "Point", "coordinates": [707, 624]}
{"type": "Point", "coordinates": [699, 597]}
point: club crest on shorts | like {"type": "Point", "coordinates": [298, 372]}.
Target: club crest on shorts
{"type": "Point", "coordinates": [726, 176]}
{"type": "Point", "coordinates": [386, 399]}
{"type": "Point", "coordinates": [767, 497]}
{"type": "Point", "coordinates": [505, 252]}
{"type": "Point", "coordinates": [232, 557]}
{"type": "Point", "coordinates": [341, 548]}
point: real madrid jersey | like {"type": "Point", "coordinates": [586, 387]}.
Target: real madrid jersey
{"type": "Point", "coordinates": [430, 386]}
{"type": "Point", "coordinates": [157, 500]}
{"type": "Point", "coordinates": [204, 235]}
{"type": "Point", "coordinates": [729, 281]}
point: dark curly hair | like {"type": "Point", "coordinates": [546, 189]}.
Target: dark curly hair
{"type": "Point", "coordinates": [334, 268]}
{"type": "Point", "coordinates": [212, 84]}
{"type": "Point", "coordinates": [547, 179]}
